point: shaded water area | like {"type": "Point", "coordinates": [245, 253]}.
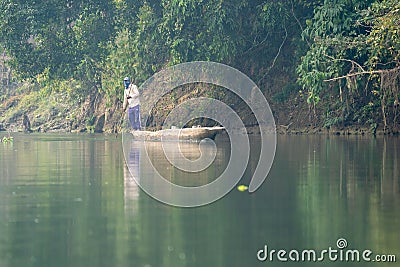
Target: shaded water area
{"type": "Point", "coordinates": [69, 200]}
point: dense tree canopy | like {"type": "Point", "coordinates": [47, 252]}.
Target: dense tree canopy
{"type": "Point", "coordinates": [60, 36]}
{"type": "Point", "coordinates": [69, 37]}
{"type": "Point", "coordinates": [354, 49]}
{"type": "Point", "coordinates": [343, 47]}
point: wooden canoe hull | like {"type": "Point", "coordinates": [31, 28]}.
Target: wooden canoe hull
{"type": "Point", "coordinates": [187, 134]}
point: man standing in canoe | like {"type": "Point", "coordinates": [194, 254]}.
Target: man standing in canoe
{"type": "Point", "coordinates": [131, 101]}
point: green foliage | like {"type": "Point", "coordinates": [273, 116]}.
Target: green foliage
{"type": "Point", "coordinates": [118, 64]}
{"type": "Point", "coordinates": [353, 47]}
{"type": "Point", "coordinates": [311, 74]}
{"type": "Point", "coordinates": [90, 121]}
{"type": "Point", "coordinates": [56, 37]}
{"type": "Point", "coordinates": [7, 140]}
{"type": "Point", "coordinates": [382, 18]}
{"type": "Point", "coordinates": [90, 128]}
{"type": "Point", "coordinates": [75, 45]}
{"type": "Point", "coordinates": [332, 119]}
{"type": "Point", "coordinates": [99, 42]}
{"type": "Point", "coordinates": [71, 88]}
{"type": "Point", "coordinates": [285, 93]}
{"type": "Point", "coordinates": [200, 30]}
{"type": "Point", "coordinates": [137, 51]}
{"type": "Point", "coordinates": [329, 32]}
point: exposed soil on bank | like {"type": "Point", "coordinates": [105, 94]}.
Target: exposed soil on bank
{"type": "Point", "coordinates": [95, 113]}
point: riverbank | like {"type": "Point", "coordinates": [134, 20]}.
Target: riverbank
{"type": "Point", "coordinates": [252, 130]}
{"type": "Point", "coordinates": [351, 130]}
{"type": "Point", "coordinates": [60, 112]}
{"type": "Point", "coordinates": [94, 113]}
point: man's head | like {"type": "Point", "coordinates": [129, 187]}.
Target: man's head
{"type": "Point", "coordinates": [127, 82]}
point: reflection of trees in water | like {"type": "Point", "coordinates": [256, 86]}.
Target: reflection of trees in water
{"type": "Point", "coordinates": [147, 160]}
{"type": "Point", "coordinates": [190, 151]}
{"type": "Point", "coordinates": [350, 165]}
{"type": "Point", "coordinates": [348, 183]}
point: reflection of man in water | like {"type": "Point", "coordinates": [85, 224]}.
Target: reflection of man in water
{"type": "Point", "coordinates": [131, 175]}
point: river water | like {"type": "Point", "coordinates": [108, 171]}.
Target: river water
{"type": "Point", "coordinates": [69, 200]}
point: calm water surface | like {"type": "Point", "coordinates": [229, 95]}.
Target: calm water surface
{"type": "Point", "coordinates": [69, 200]}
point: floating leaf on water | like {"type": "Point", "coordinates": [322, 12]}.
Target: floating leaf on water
{"type": "Point", "coordinates": [242, 188]}
{"type": "Point", "coordinates": [7, 140]}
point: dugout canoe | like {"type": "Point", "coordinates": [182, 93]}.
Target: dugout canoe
{"type": "Point", "coordinates": [188, 134]}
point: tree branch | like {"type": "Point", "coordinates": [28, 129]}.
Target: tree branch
{"type": "Point", "coordinates": [299, 24]}
{"type": "Point", "coordinates": [276, 57]}
{"type": "Point", "coordinates": [362, 73]}
{"type": "Point", "coordinates": [348, 60]}
{"type": "Point", "coordinates": [256, 45]}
